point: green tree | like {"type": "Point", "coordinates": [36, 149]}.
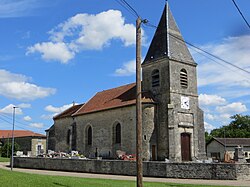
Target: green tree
{"type": "Point", "coordinates": [239, 127]}
{"type": "Point", "coordinates": [208, 137]}
{"type": "Point", "coordinates": [7, 148]}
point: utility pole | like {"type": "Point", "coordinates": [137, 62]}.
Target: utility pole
{"type": "Point", "coordinates": [8, 145]}
{"type": "Point", "coordinates": [139, 165]}
{"type": "Point", "coordinates": [12, 151]}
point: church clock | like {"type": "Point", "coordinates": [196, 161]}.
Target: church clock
{"type": "Point", "coordinates": [184, 102]}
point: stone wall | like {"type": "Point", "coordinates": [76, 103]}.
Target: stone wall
{"type": "Point", "coordinates": [215, 171]}
{"type": "Point", "coordinates": [62, 127]}
{"type": "Point", "coordinates": [103, 124]}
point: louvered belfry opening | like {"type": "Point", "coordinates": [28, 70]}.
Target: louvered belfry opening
{"type": "Point", "coordinates": [155, 78]}
{"type": "Point", "coordinates": [184, 78]}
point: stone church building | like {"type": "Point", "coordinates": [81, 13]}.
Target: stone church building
{"type": "Point", "coordinates": [173, 125]}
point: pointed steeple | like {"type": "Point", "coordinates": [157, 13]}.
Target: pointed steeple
{"type": "Point", "coordinates": [168, 41]}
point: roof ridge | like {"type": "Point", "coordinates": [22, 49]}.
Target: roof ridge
{"type": "Point", "coordinates": [68, 110]}
{"type": "Point", "coordinates": [116, 87]}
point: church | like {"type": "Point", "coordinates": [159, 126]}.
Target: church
{"type": "Point", "coordinates": [173, 124]}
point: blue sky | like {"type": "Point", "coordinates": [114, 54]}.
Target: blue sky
{"type": "Point", "coordinates": [55, 52]}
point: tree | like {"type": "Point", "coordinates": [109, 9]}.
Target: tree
{"type": "Point", "coordinates": [239, 127]}
{"type": "Point", "coordinates": [7, 148]}
{"type": "Point", "coordinates": [208, 137]}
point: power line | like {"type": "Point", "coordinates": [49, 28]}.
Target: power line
{"type": "Point", "coordinates": [131, 8]}
{"type": "Point", "coordinates": [237, 7]}
{"type": "Point", "coordinates": [128, 7]}
{"type": "Point", "coordinates": [131, 12]}
{"type": "Point", "coordinates": [8, 118]}
{"type": "Point", "coordinates": [210, 54]}
{"type": "Point", "coordinates": [11, 123]}
{"type": "Point", "coordinates": [219, 58]}
{"type": "Point", "coordinates": [215, 60]}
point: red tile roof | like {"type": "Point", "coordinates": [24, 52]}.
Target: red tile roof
{"type": "Point", "coordinates": [113, 98]}
{"type": "Point", "coordinates": [19, 133]}
{"type": "Point", "coordinates": [68, 112]}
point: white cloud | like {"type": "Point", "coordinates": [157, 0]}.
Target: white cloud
{"type": "Point", "coordinates": [210, 117]}
{"type": "Point", "coordinates": [208, 127]}
{"type": "Point", "coordinates": [27, 118]}
{"type": "Point", "coordinates": [52, 51]}
{"type": "Point", "coordinates": [232, 108]}
{"type": "Point", "coordinates": [37, 125]}
{"type": "Point", "coordinates": [85, 32]}
{"type": "Point", "coordinates": [17, 86]}
{"type": "Point", "coordinates": [24, 105]}
{"type": "Point", "coordinates": [18, 8]}
{"type": "Point", "coordinates": [233, 49]}
{"type": "Point", "coordinates": [48, 116]}
{"type": "Point", "coordinates": [127, 69]}
{"type": "Point", "coordinates": [9, 110]}
{"type": "Point", "coordinates": [53, 109]}
{"type": "Point", "coordinates": [211, 100]}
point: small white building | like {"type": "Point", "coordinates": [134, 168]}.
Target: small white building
{"type": "Point", "coordinates": [217, 147]}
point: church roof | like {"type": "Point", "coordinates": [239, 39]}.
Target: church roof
{"type": "Point", "coordinates": [68, 112]}
{"type": "Point", "coordinates": [168, 41]}
{"type": "Point", "coordinates": [114, 98]}
{"type": "Point", "coordinates": [19, 133]}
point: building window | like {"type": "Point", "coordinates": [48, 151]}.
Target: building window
{"type": "Point", "coordinates": [246, 154]}
{"type": "Point", "coordinates": [155, 78]}
{"type": "Point", "coordinates": [89, 135]}
{"type": "Point", "coordinates": [183, 78]}
{"type": "Point", "coordinates": [215, 155]}
{"type": "Point", "coordinates": [118, 133]}
{"type": "Point", "coordinates": [39, 149]}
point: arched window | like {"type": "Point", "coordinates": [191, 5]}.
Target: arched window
{"type": "Point", "coordinates": [118, 133]}
{"type": "Point", "coordinates": [89, 135]}
{"type": "Point", "coordinates": [155, 78]}
{"type": "Point", "coordinates": [68, 136]}
{"type": "Point", "coordinates": [183, 78]}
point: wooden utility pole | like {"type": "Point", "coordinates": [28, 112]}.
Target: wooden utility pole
{"type": "Point", "coordinates": [139, 165]}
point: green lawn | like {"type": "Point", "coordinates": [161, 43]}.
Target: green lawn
{"type": "Point", "coordinates": [10, 179]}
{"type": "Point", "coordinates": [2, 159]}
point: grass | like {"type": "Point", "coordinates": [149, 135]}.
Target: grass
{"type": "Point", "coordinates": [3, 159]}
{"type": "Point", "coordinates": [10, 179]}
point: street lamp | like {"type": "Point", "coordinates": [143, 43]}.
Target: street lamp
{"type": "Point", "coordinates": [12, 150]}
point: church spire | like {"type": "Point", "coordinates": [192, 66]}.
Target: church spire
{"type": "Point", "coordinates": [168, 41]}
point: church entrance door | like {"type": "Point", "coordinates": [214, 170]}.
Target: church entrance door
{"type": "Point", "coordinates": [185, 147]}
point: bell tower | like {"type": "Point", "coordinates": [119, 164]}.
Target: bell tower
{"type": "Point", "coordinates": [169, 72]}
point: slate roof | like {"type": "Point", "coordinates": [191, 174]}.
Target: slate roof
{"type": "Point", "coordinates": [168, 41]}
{"type": "Point", "coordinates": [19, 133]}
{"type": "Point", "coordinates": [68, 112]}
{"type": "Point", "coordinates": [114, 98]}
{"type": "Point", "coordinates": [233, 141]}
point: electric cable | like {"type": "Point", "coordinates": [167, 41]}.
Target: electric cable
{"type": "Point", "coordinates": [237, 7]}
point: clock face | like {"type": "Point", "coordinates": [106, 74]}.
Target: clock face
{"type": "Point", "coordinates": [184, 102]}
